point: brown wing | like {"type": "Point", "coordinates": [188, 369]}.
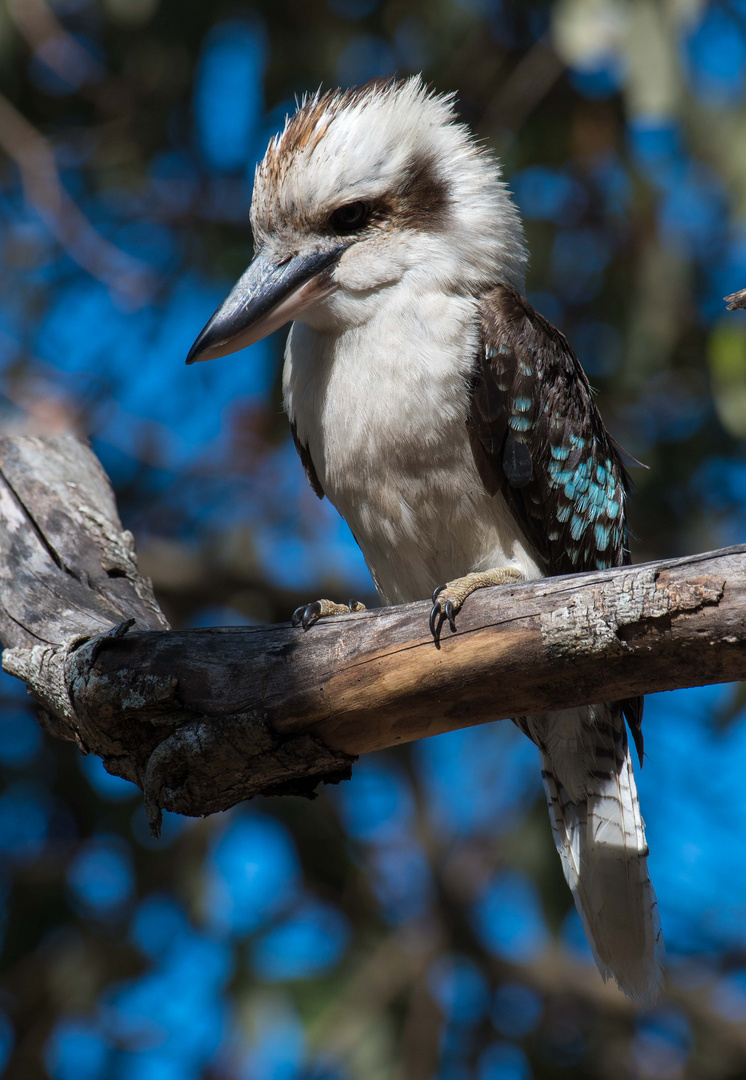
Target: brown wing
{"type": "Point", "coordinates": [307, 463]}
{"type": "Point", "coordinates": [538, 438]}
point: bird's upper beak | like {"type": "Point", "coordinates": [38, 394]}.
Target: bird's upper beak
{"type": "Point", "coordinates": [272, 292]}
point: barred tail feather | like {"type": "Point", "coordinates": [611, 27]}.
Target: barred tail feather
{"type": "Point", "coordinates": [601, 842]}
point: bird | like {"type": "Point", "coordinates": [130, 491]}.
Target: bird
{"type": "Point", "coordinates": [451, 425]}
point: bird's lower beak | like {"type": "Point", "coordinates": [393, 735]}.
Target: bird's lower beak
{"type": "Point", "coordinates": [271, 293]}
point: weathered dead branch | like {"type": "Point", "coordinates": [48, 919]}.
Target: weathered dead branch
{"type": "Point", "coordinates": [202, 719]}
{"type": "Point", "coordinates": [736, 300]}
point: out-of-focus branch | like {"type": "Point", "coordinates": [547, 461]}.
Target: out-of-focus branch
{"type": "Point", "coordinates": [525, 87]}
{"type": "Point", "coordinates": [54, 46]}
{"type": "Point", "coordinates": [736, 300]}
{"type": "Point", "coordinates": [126, 276]}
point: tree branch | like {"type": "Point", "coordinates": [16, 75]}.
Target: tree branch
{"type": "Point", "coordinates": [736, 300]}
{"type": "Point", "coordinates": [202, 719]}
{"type": "Point", "coordinates": [123, 274]}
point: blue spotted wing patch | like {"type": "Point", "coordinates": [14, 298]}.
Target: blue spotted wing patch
{"type": "Point", "coordinates": [538, 437]}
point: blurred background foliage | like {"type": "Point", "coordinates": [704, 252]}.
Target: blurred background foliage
{"type": "Point", "coordinates": [412, 922]}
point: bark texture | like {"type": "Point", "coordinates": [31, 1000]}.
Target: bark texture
{"type": "Point", "coordinates": [736, 300]}
{"type": "Point", "coordinates": [202, 719]}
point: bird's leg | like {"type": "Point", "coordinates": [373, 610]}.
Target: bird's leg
{"type": "Point", "coordinates": [448, 598]}
{"type": "Point", "coordinates": [307, 614]}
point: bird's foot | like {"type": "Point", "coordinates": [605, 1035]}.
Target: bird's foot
{"type": "Point", "coordinates": [307, 614]}
{"type": "Point", "coordinates": [447, 599]}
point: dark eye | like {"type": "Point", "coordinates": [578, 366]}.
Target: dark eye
{"type": "Point", "coordinates": [349, 218]}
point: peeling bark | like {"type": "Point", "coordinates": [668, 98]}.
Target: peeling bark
{"type": "Point", "coordinates": [201, 719]}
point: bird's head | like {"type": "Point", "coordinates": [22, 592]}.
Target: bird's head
{"type": "Point", "coordinates": [363, 189]}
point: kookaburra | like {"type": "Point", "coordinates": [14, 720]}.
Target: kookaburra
{"type": "Point", "coordinates": [450, 424]}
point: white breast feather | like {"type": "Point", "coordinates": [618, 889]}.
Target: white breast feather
{"type": "Point", "coordinates": [382, 408]}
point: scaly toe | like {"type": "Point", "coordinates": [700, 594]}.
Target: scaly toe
{"type": "Point", "coordinates": [448, 599]}
{"type": "Point", "coordinates": [307, 614]}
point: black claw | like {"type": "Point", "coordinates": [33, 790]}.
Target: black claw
{"type": "Point", "coordinates": [436, 623]}
{"type": "Point", "coordinates": [306, 615]}
{"type": "Point", "coordinates": [352, 604]}
{"type": "Point", "coordinates": [311, 614]}
{"type": "Point", "coordinates": [437, 591]}
{"type": "Point", "coordinates": [451, 616]}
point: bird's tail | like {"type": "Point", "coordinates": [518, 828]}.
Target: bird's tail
{"type": "Point", "coordinates": [600, 837]}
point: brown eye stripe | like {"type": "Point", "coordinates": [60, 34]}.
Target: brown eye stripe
{"type": "Point", "coordinates": [423, 201]}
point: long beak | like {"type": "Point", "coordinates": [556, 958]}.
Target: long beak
{"type": "Point", "coordinates": [268, 295]}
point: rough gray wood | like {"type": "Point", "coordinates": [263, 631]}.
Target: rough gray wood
{"type": "Point", "coordinates": [736, 300]}
{"type": "Point", "coordinates": [69, 575]}
{"type": "Point", "coordinates": [68, 570]}
{"type": "Point", "coordinates": [202, 719]}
